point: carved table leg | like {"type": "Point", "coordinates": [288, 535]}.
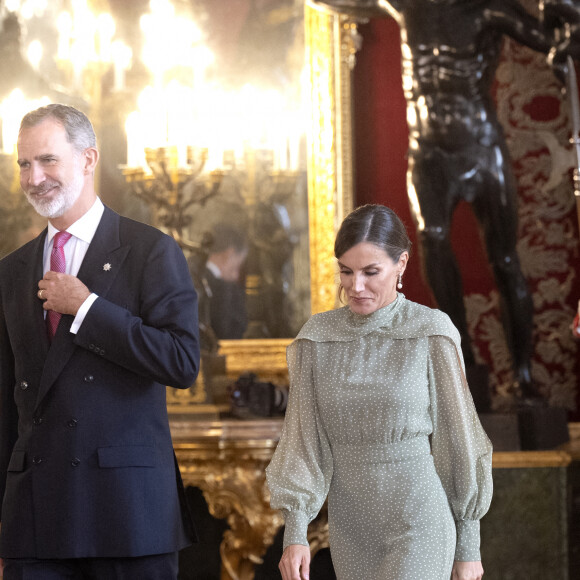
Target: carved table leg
{"type": "Point", "coordinates": [234, 486]}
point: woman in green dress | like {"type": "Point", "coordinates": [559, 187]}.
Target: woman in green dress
{"type": "Point", "coordinates": [381, 422]}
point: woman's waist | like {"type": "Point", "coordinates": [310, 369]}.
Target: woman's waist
{"type": "Point", "coordinates": [380, 452]}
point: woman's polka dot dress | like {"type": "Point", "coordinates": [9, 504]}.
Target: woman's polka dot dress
{"type": "Point", "coordinates": [380, 420]}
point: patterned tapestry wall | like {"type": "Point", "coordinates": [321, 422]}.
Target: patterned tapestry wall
{"type": "Point", "coordinates": [533, 112]}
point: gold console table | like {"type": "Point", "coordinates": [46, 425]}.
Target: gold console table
{"type": "Point", "coordinates": [227, 460]}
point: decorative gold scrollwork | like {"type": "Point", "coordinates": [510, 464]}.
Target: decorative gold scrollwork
{"type": "Point", "coordinates": [227, 462]}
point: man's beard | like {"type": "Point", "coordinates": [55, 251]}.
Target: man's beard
{"type": "Point", "coordinates": [58, 203]}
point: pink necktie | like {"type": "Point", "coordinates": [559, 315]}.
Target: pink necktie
{"type": "Point", "coordinates": [57, 264]}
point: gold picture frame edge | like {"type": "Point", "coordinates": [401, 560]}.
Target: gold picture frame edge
{"type": "Point", "coordinates": [329, 55]}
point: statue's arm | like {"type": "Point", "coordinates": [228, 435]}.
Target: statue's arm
{"type": "Point", "coordinates": [558, 36]}
{"type": "Point", "coordinates": [512, 19]}
{"type": "Point", "coordinates": [562, 10]}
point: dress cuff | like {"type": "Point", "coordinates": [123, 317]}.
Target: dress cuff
{"type": "Point", "coordinates": [296, 528]}
{"type": "Point", "coordinates": [467, 548]}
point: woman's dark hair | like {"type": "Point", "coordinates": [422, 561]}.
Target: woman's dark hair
{"type": "Point", "coordinates": [376, 224]}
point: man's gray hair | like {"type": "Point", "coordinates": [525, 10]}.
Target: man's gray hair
{"type": "Point", "coordinates": [78, 128]}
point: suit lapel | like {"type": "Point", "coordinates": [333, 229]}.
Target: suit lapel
{"type": "Point", "coordinates": [100, 267]}
{"type": "Point", "coordinates": [26, 280]}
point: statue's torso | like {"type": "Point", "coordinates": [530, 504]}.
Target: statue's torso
{"type": "Point", "coordinates": [449, 58]}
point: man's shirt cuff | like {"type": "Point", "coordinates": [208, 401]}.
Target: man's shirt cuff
{"type": "Point", "coordinates": [82, 312]}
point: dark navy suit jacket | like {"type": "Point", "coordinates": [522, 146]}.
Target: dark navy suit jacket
{"type": "Point", "coordinates": [87, 467]}
{"type": "Point", "coordinates": [227, 307]}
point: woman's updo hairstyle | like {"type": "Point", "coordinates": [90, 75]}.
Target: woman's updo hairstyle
{"type": "Point", "coordinates": [376, 224]}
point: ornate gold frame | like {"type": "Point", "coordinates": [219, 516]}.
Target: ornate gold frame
{"type": "Point", "coordinates": [330, 43]}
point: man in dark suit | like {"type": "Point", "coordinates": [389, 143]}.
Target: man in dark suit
{"type": "Point", "coordinates": [227, 297]}
{"type": "Point", "coordinates": [88, 477]}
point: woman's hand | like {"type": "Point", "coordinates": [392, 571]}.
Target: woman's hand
{"type": "Point", "coordinates": [295, 562]}
{"type": "Point", "coordinates": [467, 571]}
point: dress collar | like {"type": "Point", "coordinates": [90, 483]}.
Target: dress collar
{"type": "Point", "coordinates": [382, 316]}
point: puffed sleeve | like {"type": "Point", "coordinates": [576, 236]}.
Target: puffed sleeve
{"type": "Point", "coordinates": [461, 449]}
{"type": "Point", "coordinates": [301, 469]}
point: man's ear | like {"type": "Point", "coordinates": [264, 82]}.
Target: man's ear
{"type": "Point", "coordinates": [90, 158]}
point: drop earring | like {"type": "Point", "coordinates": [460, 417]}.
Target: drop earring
{"type": "Point", "coordinates": [400, 282]}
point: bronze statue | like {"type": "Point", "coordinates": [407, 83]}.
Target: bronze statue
{"type": "Point", "coordinates": [457, 149]}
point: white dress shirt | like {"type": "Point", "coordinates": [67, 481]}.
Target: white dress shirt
{"type": "Point", "coordinates": [82, 233]}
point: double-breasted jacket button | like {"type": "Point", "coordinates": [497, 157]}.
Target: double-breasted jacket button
{"type": "Point", "coordinates": [97, 349]}
{"type": "Point", "coordinates": [37, 420]}
{"type": "Point", "coordinates": [37, 460]}
{"type": "Point", "coordinates": [75, 462]}
{"type": "Point", "coordinates": [89, 378]}
{"type": "Point", "coordinates": [72, 423]}
{"type": "Point", "coordinates": [23, 385]}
